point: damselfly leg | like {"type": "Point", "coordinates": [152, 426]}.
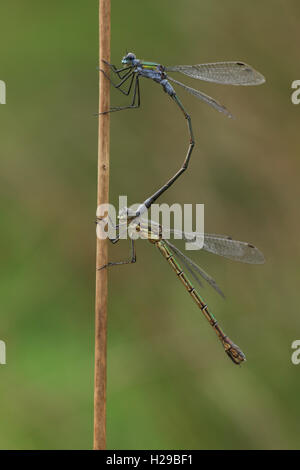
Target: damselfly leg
{"type": "Point", "coordinates": [136, 100]}
{"type": "Point", "coordinates": [118, 263]}
{"type": "Point", "coordinates": [124, 79]}
{"type": "Point", "coordinates": [132, 259]}
{"type": "Point", "coordinates": [114, 69]}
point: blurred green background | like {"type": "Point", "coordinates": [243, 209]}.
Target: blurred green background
{"type": "Point", "coordinates": [170, 386]}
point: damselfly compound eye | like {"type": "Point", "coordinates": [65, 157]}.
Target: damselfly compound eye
{"type": "Point", "coordinates": [128, 58]}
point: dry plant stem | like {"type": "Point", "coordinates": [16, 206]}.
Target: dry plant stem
{"type": "Point", "coordinates": [102, 249]}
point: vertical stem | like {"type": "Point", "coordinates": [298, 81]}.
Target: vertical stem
{"type": "Point", "coordinates": [102, 249]}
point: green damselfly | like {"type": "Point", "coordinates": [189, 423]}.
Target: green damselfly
{"type": "Point", "coordinates": [227, 73]}
{"type": "Point", "coordinates": [218, 244]}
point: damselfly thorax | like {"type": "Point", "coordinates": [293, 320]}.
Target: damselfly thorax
{"type": "Point", "coordinates": [156, 73]}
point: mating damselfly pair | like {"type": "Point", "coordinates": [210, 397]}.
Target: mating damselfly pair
{"type": "Point", "coordinates": [228, 73]}
{"type": "Point", "coordinates": [183, 266]}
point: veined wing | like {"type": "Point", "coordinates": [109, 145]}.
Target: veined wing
{"type": "Point", "coordinates": [221, 245]}
{"type": "Point", "coordinates": [193, 268]}
{"type": "Point", "coordinates": [233, 249]}
{"type": "Point", "coordinates": [228, 73]}
{"type": "Point", "coordinates": [183, 261]}
{"type": "Point", "coordinates": [202, 96]}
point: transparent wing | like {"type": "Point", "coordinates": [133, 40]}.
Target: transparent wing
{"type": "Point", "coordinates": [228, 73]}
{"type": "Point", "coordinates": [233, 249]}
{"type": "Point", "coordinates": [193, 268]}
{"type": "Point", "coordinates": [221, 245]}
{"type": "Point", "coordinates": [183, 261]}
{"type": "Point", "coordinates": [202, 96]}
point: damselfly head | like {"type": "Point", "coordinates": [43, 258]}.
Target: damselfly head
{"type": "Point", "coordinates": [128, 58]}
